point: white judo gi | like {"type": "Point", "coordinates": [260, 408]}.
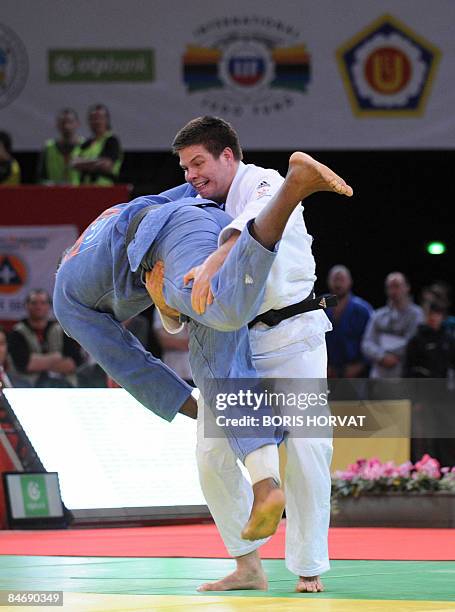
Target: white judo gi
{"type": "Point", "coordinates": [293, 349]}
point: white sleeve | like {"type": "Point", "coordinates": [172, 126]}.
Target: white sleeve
{"type": "Point", "coordinates": [263, 189]}
{"type": "Point", "coordinates": [250, 212]}
{"type": "Point", "coordinates": [170, 325]}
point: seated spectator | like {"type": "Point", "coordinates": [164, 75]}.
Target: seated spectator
{"type": "Point", "coordinates": [349, 319]}
{"type": "Point", "coordinates": [390, 328]}
{"type": "Point", "coordinates": [174, 348]}
{"type": "Point", "coordinates": [7, 378]}
{"type": "Point", "coordinates": [55, 166]}
{"type": "Point", "coordinates": [100, 156]}
{"type": "Point", "coordinates": [10, 172]}
{"type": "Point", "coordinates": [440, 292]}
{"type": "Point", "coordinates": [430, 353]}
{"type": "Point", "coordinates": [40, 350]}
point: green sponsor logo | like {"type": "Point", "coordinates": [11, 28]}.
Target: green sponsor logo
{"type": "Point", "coordinates": [100, 65]}
{"type": "Point", "coordinates": [34, 494]}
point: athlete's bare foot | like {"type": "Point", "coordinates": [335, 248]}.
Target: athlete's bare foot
{"type": "Point", "coordinates": [314, 176]}
{"type": "Point", "coordinates": [248, 575]}
{"type": "Point", "coordinates": [305, 176]}
{"type": "Point", "coordinates": [309, 584]}
{"type": "Point", "coordinates": [267, 510]}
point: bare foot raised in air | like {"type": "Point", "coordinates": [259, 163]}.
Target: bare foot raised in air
{"type": "Point", "coordinates": [309, 584]}
{"type": "Point", "coordinates": [313, 176]}
{"type": "Point", "coordinates": [267, 510]}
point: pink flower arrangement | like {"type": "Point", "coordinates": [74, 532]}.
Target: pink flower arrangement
{"type": "Point", "coordinates": [373, 476]}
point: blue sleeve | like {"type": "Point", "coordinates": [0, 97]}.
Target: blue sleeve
{"type": "Point", "coordinates": [182, 191]}
{"type": "Point", "coordinates": [238, 287]}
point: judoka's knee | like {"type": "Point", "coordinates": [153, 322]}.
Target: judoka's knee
{"type": "Point", "coordinates": [311, 450]}
{"type": "Point", "coordinates": [213, 457]}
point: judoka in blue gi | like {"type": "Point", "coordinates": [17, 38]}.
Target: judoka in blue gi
{"type": "Point", "coordinates": [99, 284]}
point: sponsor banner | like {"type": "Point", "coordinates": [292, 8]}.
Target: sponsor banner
{"type": "Point", "coordinates": [29, 258]}
{"type": "Point", "coordinates": [100, 65]}
{"type": "Point", "coordinates": [312, 75]}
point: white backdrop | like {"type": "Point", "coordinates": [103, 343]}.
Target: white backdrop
{"type": "Point", "coordinates": [109, 451]}
{"type": "Point", "coordinates": [309, 74]}
{"type": "Point", "coordinates": [29, 256]}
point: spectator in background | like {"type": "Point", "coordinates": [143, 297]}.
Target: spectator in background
{"type": "Point", "coordinates": [100, 156]}
{"type": "Point", "coordinates": [10, 172]}
{"type": "Point", "coordinates": [174, 348]}
{"type": "Point", "coordinates": [440, 292]}
{"type": "Point", "coordinates": [40, 350]}
{"type": "Point", "coordinates": [390, 329]}
{"type": "Point", "coordinates": [7, 377]}
{"type": "Point", "coordinates": [349, 319]}
{"type": "Point", "coordinates": [430, 353]}
{"type": "Point", "coordinates": [55, 162]}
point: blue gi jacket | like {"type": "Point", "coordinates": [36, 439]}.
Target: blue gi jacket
{"type": "Point", "coordinates": [99, 285]}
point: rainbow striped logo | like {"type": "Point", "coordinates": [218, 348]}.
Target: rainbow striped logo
{"type": "Point", "coordinates": [245, 65]}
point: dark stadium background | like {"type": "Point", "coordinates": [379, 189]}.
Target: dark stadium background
{"type": "Point", "coordinates": [402, 200]}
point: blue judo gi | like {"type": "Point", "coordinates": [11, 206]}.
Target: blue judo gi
{"type": "Point", "coordinates": [99, 285]}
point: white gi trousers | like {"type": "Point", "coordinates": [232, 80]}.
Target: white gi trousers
{"type": "Point", "coordinates": [229, 495]}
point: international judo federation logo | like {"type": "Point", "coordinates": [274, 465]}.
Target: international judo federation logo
{"type": "Point", "coordinates": [13, 66]}
{"type": "Point", "coordinates": [240, 63]}
{"type": "Point", "coordinates": [388, 69]}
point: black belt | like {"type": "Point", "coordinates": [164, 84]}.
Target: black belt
{"type": "Point", "coordinates": [271, 317]}
{"type": "Point", "coordinates": [312, 302]}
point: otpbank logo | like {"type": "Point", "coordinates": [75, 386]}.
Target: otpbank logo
{"type": "Point", "coordinates": [388, 69]}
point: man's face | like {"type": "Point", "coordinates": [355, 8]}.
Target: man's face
{"type": "Point", "coordinates": [211, 177]}
{"type": "Point", "coordinates": [98, 121]}
{"type": "Point", "coordinates": [435, 320]}
{"type": "Point", "coordinates": [67, 125]}
{"type": "Point", "coordinates": [396, 288]}
{"type": "Point", "coordinates": [38, 307]}
{"type": "Point", "coordinates": [340, 283]}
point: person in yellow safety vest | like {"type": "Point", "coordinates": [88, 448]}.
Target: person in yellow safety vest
{"type": "Point", "coordinates": [55, 165]}
{"type": "Point", "coordinates": [101, 155]}
{"type": "Point", "coordinates": [10, 172]}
